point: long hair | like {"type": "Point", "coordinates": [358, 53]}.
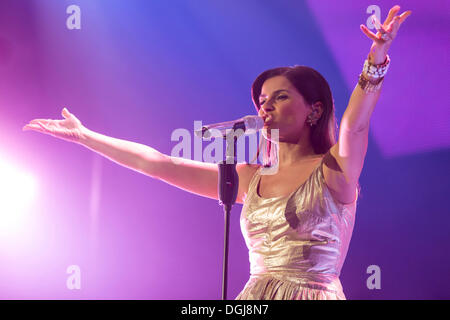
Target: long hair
{"type": "Point", "coordinates": [313, 87]}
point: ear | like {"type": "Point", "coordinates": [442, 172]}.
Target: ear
{"type": "Point", "coordinates": [317, 109]}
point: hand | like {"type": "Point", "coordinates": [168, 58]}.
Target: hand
{"type": "Point", "coordinates": [69, 129]}
{"type": "Point", "coordinates": [385, 35]}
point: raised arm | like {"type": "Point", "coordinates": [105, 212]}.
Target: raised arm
{"type": "Point", "coordinates": [193, 176]}
{"type": "Point", "coordinates": [351, 148]}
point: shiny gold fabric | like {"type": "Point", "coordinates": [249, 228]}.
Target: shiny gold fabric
{"type": "Point", "coordinates": [297, 243]}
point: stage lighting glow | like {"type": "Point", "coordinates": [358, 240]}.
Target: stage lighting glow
{"type": "Point", "coordinates": [17, 191]}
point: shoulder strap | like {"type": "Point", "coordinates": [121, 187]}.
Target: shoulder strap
{"type": "Point", "coordinates": [254, 181]}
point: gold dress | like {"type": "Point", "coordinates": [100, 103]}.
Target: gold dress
{"type": "Point", "coordinates": [297, 243]}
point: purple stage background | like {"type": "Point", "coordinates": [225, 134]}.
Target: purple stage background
{"type": "Point", "coordinates": [138, 70]}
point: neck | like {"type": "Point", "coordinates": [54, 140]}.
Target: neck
{"type": "Point", "coordinates": [293, 152]}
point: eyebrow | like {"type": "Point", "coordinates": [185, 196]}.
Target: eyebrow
{"type": "Point", "coordinates": [275, 92]}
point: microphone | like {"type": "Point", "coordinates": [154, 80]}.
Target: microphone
{"type": "Point", "coordinates": [248, 124]}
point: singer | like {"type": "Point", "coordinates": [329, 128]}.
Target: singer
{"type": "Point", "coordinates": [297, 222]}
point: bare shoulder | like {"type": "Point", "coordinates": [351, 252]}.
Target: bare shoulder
{"type": "Point", "coordinates": [245, 172]}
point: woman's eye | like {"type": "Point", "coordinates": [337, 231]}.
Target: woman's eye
{"type": "Point", "coordinates": [279, 97]}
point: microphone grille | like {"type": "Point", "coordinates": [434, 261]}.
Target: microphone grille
{"type": "Point", "coordinates": [254, 122]}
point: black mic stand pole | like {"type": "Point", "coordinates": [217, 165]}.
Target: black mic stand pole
{"type": "Point", "coordinates": [228, 189]}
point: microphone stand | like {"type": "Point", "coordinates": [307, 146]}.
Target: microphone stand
{"type": "Point", "coordinates": [228, 189]}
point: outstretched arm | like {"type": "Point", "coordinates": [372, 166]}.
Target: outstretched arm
{"type": "Point", "coordinates": [193, 176]}
{"type": "Point", "coordinates": [351, 148]}
{"type": "Point", "coordinates": [362, 103]}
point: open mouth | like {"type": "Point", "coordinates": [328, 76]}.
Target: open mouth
{"type": "Point", "coordinates": [267, 119]}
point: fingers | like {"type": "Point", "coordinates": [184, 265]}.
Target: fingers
{"type": "Point", "coordinates": [398, 20]}
{"type": "Point", "coordinates": [43, 121]}
{"type": "Point", "coordinates": [34, 127]}
{"type": "Point", "coordinates": [405, 15]}
{"type": "Point", "coordinates": [395, 25]}
{"type": "Point", "coordinates": [391, 15]}
{"type": "Point", "coordinates": [387, 31]}
{"type": "Point", "coordinates": [41, 125]}
{"type": "Point", "coordinates": [377, 24]}
{"type": "Point", "coordinates": [368, 33]}
{"type": "Point", "coordinates": [65, 113]}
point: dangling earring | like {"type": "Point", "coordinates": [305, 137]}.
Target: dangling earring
{"type": "Point", "coordinates": [310, 121]}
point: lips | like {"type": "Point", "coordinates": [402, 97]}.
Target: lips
{"type": "Point", "coordinates": [267, 119]}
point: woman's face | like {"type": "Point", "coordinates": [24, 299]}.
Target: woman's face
{"type": "Point", "coordinates": [283, 108]}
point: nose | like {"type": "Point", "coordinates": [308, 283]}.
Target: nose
{"type": "Point", "coordinates": [266, 108]}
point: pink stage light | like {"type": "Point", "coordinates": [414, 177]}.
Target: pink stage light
{"type": "Point", "coordinates": [17, 192]}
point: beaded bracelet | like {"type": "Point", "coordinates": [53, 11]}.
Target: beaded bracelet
{"type": "Point", "coordinates": [372, 76]}
{"type": "Point", "coordinates": [376, 71]}
{"type": "Point", "coordinates": [369, 86]}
